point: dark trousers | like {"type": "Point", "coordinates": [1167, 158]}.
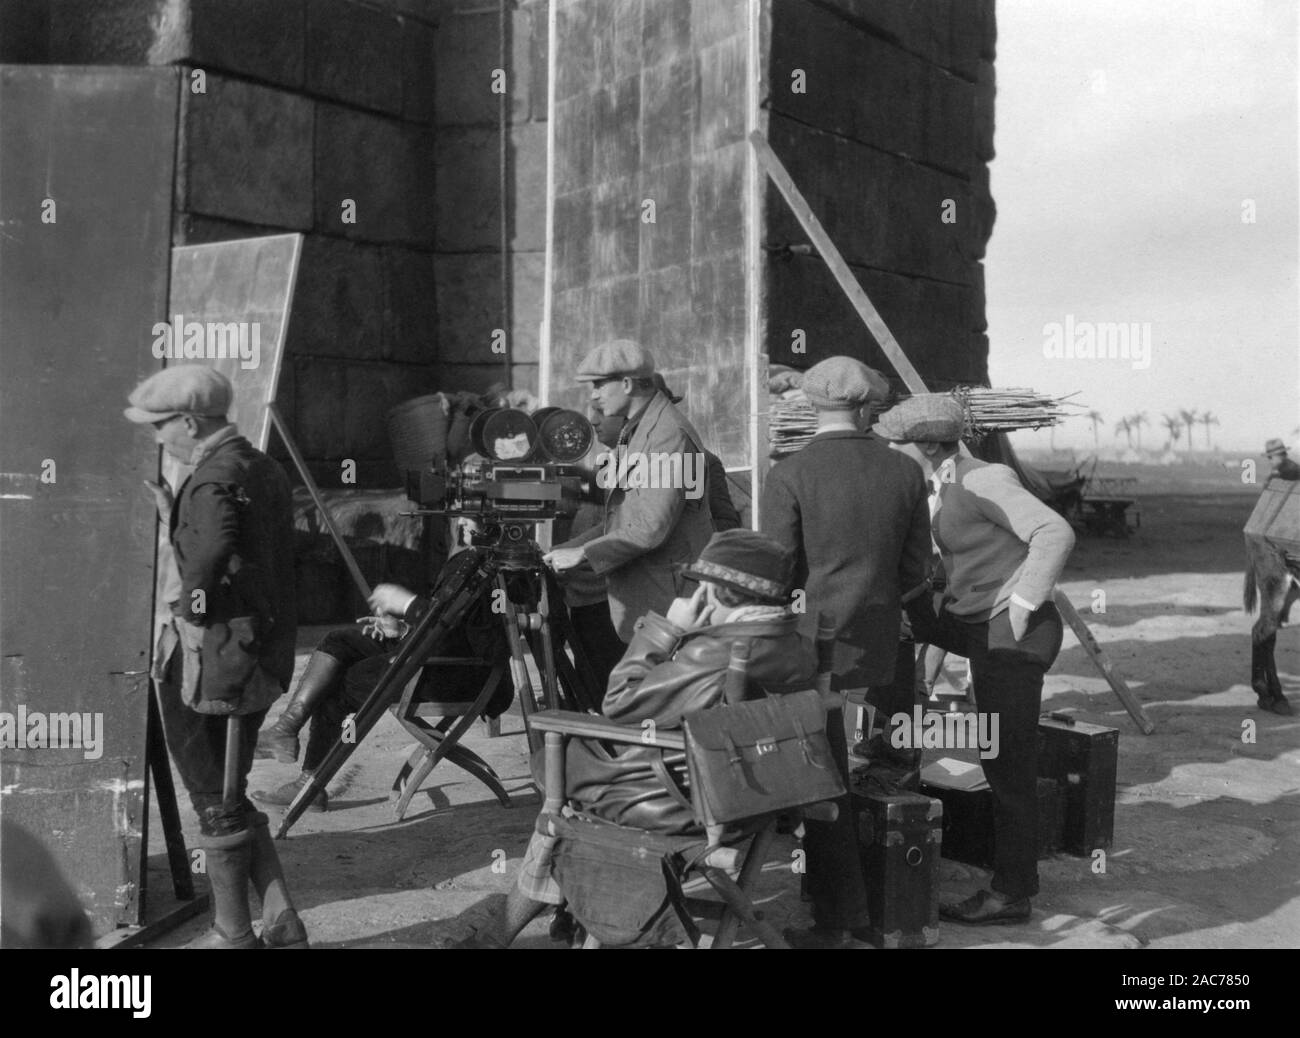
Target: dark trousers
{"type": "Point", "coordinates": [1008, 678]}
{"type": "Point", "coordinates": [836, 882]}
{"type": "Point", "coordinates": [592, 630]}
{"type": "Point", "coordinates": [363, 660]}
{"type": "Point", "coordinates": [899, 696]}
{"type": "Point", "coordinates": [198, 746]}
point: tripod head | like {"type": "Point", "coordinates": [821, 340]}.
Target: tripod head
{"type": "Point", "coordinates": [511, 544]}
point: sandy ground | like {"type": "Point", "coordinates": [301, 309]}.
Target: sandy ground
{"type": "Point", "coordinates": [1207, 824]}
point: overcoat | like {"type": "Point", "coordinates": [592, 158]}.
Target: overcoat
{"type": "Point", "coordinates": [856, 515]}
{"type": "Point", "coordinates": [650, 531]}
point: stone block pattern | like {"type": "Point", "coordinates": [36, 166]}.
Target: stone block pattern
{"type": "Point", "coordinates": [490, 204]}
{"type": "Point", "coordinates": [649, 209]}
{"type": "Point", "coordinates": [882, 111]}
{"type": "Point", "coordinates": [315, 116]}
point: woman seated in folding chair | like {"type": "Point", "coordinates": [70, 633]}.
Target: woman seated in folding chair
{"type": "Point", "coordinates": [673, 665]}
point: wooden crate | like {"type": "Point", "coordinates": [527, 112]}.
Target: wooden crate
{"type": "Point", "coordinates": [1276, 517]}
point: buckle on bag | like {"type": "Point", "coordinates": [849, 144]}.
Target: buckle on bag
{"type": "Point", "coordinates": [765, 746]}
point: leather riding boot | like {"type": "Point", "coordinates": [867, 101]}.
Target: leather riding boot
{"type": "Point", "coordinates": [318, 680]}
{"type": "Point", "coordinates": [283, 796]}
{"type": "Point", "coordinates": [281, 927]}
{"type": "Point", "coordinates": [227, 862]}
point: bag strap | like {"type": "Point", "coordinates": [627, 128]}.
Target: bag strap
{"type": "Point", "coordinates": [734, 756]}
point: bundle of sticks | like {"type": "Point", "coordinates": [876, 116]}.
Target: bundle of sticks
{"type": "Point", "coordinates": [792, 421]}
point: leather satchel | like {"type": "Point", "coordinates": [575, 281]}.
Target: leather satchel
{"type": "Point", "coordinates": [760, 757]}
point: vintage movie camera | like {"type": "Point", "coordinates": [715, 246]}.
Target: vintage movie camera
{"type": "Point", "coordinates": [524, 470]}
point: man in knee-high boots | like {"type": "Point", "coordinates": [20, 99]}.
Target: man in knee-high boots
{"type": "Point", "coordinates": [225, 652]}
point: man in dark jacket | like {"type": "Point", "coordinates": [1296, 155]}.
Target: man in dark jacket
{"type": "Point", "coordinates": [227, 649]}
{"type": "Point", "coordinates": [857, 519]}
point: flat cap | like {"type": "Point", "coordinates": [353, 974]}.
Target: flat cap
{"type": "Point", "coordinates": [926, 417]}
{"type": "Point", "coordinates": [843, 384]}
{"type": "Point", "coordinates": [180, 389]}
{"type": "Point", "coordinates": [621, 358]}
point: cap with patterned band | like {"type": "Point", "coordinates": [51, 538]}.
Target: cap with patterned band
{"type": "Point", "coordinates": [748, 562]}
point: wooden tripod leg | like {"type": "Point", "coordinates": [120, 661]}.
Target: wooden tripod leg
{"type": "Point", "coordinates": [518, 668]}
{"type": "Point", "coordinates": [160, 770]}
{"type": "Point", "coordinates": [758, 848]}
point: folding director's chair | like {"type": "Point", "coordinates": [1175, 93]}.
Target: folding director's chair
{"type": "Point", "coordinates": [703, 853]}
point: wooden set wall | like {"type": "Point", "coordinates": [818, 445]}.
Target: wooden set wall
{"type": "Point", "coordinates": [305, 104]}
{"type": "Point", "coordinates": [388, 103]}
{"type": "Point", "coordinates": [883, 114]}
{"type": "Point", "coordinates": [881, 111]}
{"type": "Point", "coordinates": [649, 199]}
{"type": "Point", "coordinates": [477, 293]}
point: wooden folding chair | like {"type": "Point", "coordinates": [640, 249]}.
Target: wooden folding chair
{"type": "Point", "coordinates": [442, 741]}
{"type": "Point", "coordinates": [703, 853]}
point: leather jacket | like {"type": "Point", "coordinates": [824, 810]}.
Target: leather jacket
{"type": "Point", "coordinates": [665, 674]}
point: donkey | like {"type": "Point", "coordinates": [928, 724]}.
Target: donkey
{"type": "Point", "coordinates": [1271, 577]}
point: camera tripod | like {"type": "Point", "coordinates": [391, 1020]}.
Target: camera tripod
{"type": "Point", "coordinates": [522, 591]}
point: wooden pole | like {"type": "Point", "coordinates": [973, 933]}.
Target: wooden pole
{"type": "Point", "coordinates": [353, 569]}
{"type": "Point", "coordinates": [230, 778]}
{"type": "Point", "coordinates": [839, 268]}
{"type": "Point", "coordinates": [775, 169]}
{"type": "Point", "coordinates": [1090, 646]}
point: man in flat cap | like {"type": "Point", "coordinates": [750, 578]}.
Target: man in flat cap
{"type": "Point", "coordinates": [856, 517]}
{"type": "Point", "coordinates": [1003, 551]}
{"type": "Point", "coordinates": [1283, 467]}
{"type": "Point", "coordinates": [648, 530]}
{"type": "Point", "coordinates": [227, 649]}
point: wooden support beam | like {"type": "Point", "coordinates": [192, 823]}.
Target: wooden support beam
{"type": "Point", "coordinates": [774, 168]}
{"type": "Point", "coordinates": [1107, 669]}
{"type": "Point", "coordinates": [349, 560]}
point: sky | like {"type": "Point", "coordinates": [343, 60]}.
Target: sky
{"type": "Point", "coordinates": [1133, 140]}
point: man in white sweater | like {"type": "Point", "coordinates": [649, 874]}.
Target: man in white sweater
{"type": "Point", "coordinates": [1003, 551]}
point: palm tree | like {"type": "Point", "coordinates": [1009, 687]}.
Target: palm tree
{"type": "Point", "coordinates": [1140, 419]}
{"type": "Point", "coordinates": [1096, 419]}
{"type": "Point", "coordinates": [1207, 420]}
{"type": "Point", "coordinates": [1174, 426]}
{"type": "Point", "coordinates": [1189, 422]}
{"type": "Point", "coordinates": [1125, 426]}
